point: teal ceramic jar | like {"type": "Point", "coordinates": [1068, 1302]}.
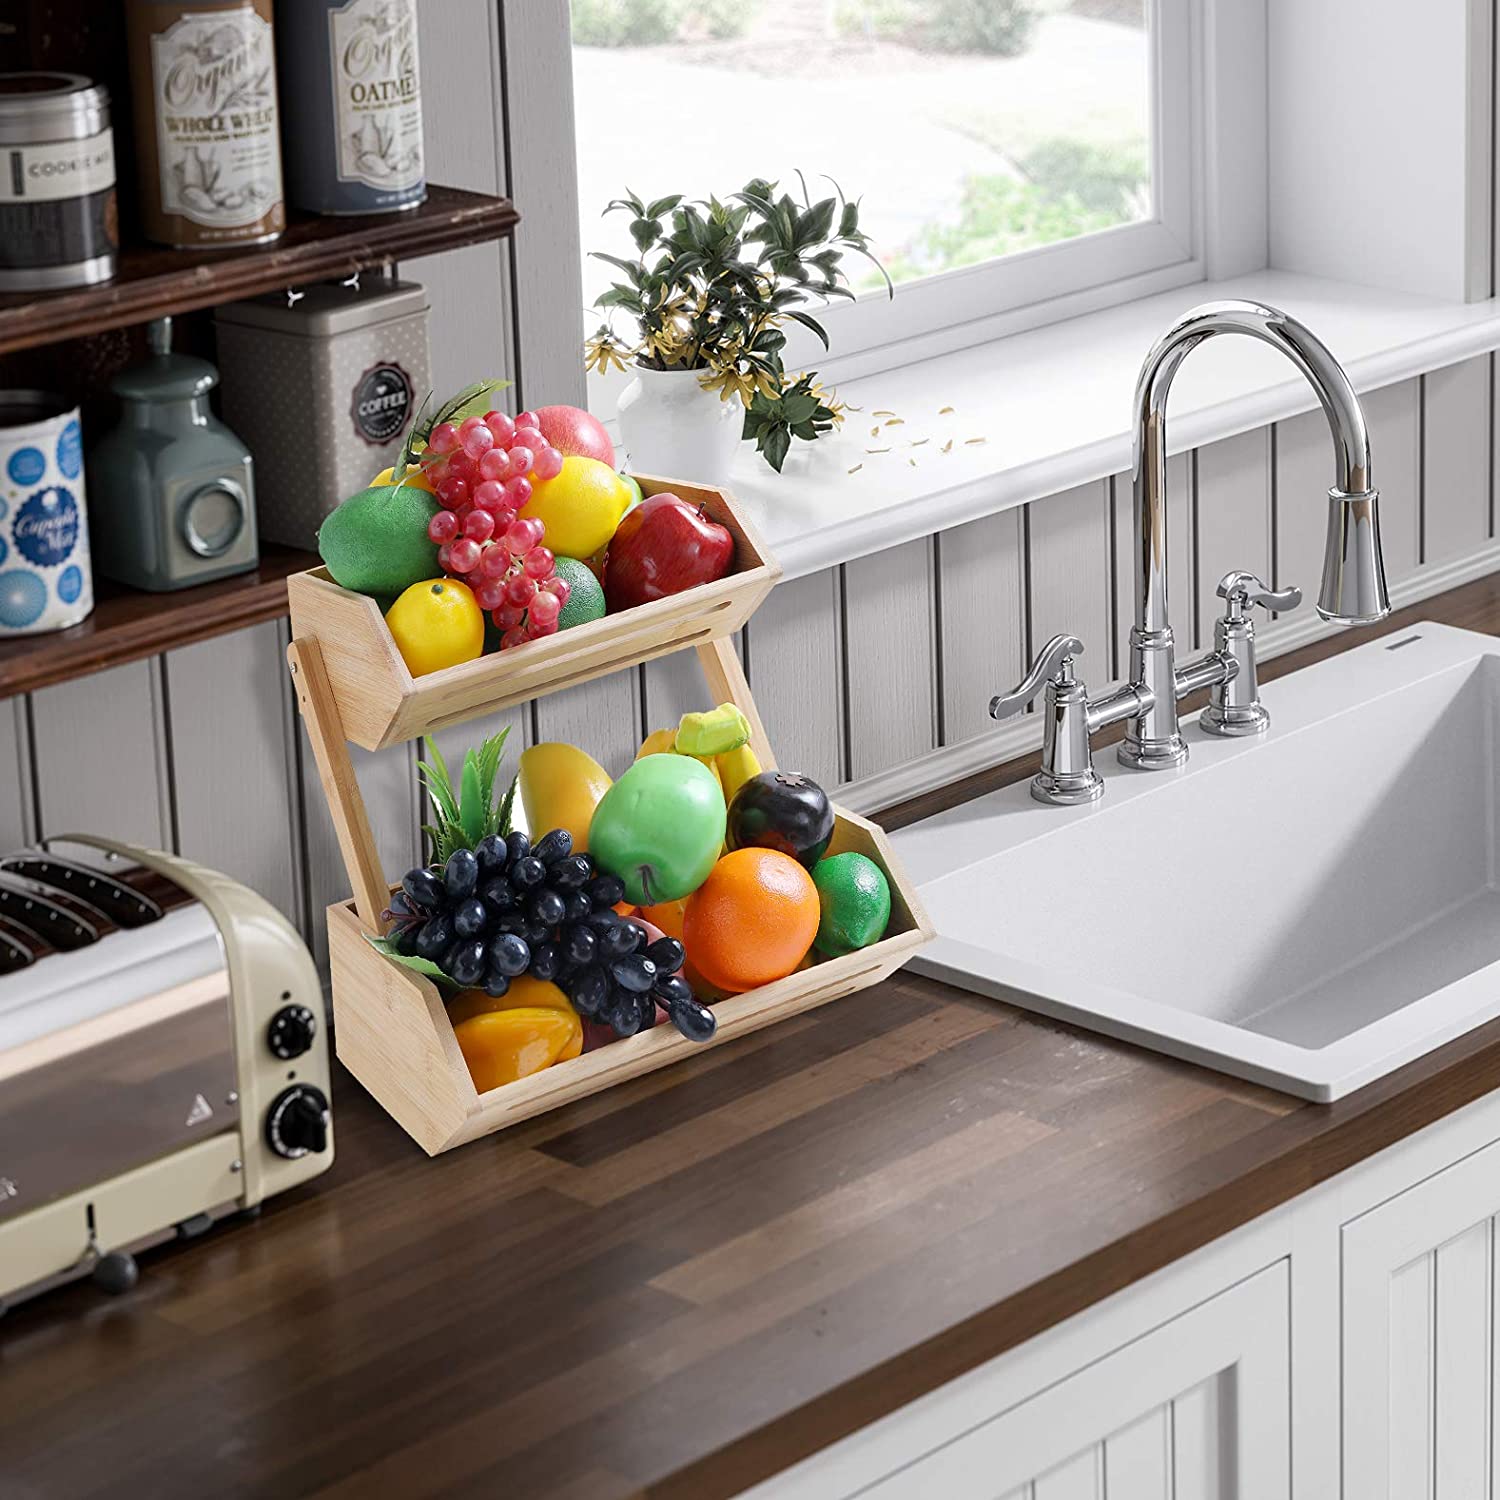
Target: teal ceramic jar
{"type": "Point", "coordinates": [172, 488]}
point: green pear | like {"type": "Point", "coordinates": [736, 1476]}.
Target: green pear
{"type": "Point", "coordinates": [660, 828]}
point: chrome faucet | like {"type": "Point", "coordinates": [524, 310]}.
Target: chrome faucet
{"type": "Point", "coordinates": [1353, 588]}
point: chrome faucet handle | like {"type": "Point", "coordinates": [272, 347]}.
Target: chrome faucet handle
{"type": "Point", "coordinates": [1054, 662]}
{"type": "Point", "coordinates": [1067, 776]}
{"type": "Point", "coordinates": [1234, 706]}
{"type": "Point", "coordinates": [1240, 590]}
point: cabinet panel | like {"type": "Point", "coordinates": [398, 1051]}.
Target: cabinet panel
{"type": "Point", "coordinates": [1418, 1338]}
{"type": "Point", "coordinates": [983, 619]}
{"type": "Point", "coordinates": [1068, 565]}
{"type": "Point", "coordinates": [889, 646]}
{"type": "Point", "coordinates": [1203, 1397]}
{"type": "Point", "coordinates": [1455, 460]}
{"type": "Point", "coordinates": [602, 717]}
{"type": "Point", "coordinates": [794, 662]}
{"type": "Point", "coordinates": [110, 719]}
{"type": "Point", "coordinates": [1233, 519]}
{"type": "Point", "coordinates": [232, 781]}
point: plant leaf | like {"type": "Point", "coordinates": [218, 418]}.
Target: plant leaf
{"type": "Point", "coordinates": [507, 805]}
{"type": "Point", "coordinates": [807, 322]}
{"type": "Point", "coordinates": [471, 808]}
{"type": "Point", "coordinates": [407, 960]}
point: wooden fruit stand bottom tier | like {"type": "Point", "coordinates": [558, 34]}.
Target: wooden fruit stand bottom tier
{"type": "Point", "coordinates": [391, 1028]}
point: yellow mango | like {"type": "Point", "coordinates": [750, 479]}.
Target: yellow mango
{"type": "Point", "coordinates": [658, 742]}
{"type": "Point", "coordinates": [560, 787]}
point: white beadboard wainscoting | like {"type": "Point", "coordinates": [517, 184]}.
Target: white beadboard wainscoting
{"type": "Point", "coordinates": [872, 676]}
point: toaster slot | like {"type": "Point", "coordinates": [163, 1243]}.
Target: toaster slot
{"type": "Point", "coordinates": [14, 954]}
{"type": "Point", "coordinates": [51, 921]}
{"type": "Point", "coordinates": [121, 903]}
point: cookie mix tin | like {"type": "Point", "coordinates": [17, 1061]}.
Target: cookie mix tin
{"type": "Point", "coordinates": [58, 221]}
{"type": "Point", "coordinates": [352, 102]}
{"type": "Point", "coordinates": [323, 389]}
{"type": "Point", "coordinates": [45, 583]}
{"type": "Point", "coordinates": [208, 145]}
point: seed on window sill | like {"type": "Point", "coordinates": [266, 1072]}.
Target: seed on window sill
{"type": "Point", "coordinates": [875, 430]}
{"type": "Point", "coordinates": [855, 469]}
{"type": "Point", "coordinates": [882, 414]}
{"type": "Point", "coordinates": [948, 446]}
{"type": "Point", "coordinates": [912, 462]}
{"type": "Point", "coordinates": [877, 450]}
{"type": "Point", "coordinates": [945, 411]}
{"type": "Point", "coordinates": [970, 442]}
{"type": "Point", "coordinates": [896, 422]}
{"type": "Point", "coordinates": [917, 442]}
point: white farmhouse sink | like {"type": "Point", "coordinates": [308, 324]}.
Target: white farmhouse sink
{"type": "Point", "coordinates": [1309, 910]}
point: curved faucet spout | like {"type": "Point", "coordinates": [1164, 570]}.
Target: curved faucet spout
{"type": "Point", "coordinates": [1353, 584]}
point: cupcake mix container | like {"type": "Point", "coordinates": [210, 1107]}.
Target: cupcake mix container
{"type": "Point", "coordinates": [45, 580]}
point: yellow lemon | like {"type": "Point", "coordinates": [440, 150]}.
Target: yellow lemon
{"type": "Point", "coordinates": [580, 508]}
{"type": "Point", "coordinates": [436, 624]}
{"type": "Point", "coordinates": [416, 478]}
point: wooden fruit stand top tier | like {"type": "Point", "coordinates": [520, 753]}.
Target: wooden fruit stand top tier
{"type": "Point", "coordinates": [352, 685]}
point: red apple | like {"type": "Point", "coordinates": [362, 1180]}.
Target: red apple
{"type": "Point", "coordinates": [662, 546]}
{"type": "Point", "coordinates": [573, 431]}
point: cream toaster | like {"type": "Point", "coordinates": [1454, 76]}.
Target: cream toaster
{"type": "Point", "coordinates": [162, 1058]}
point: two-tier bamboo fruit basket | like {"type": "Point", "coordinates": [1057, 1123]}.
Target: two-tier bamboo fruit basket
{"type": "Point", "coordinates": [391, 1029]}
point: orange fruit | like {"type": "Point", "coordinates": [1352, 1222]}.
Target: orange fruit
{"type": "Point", "coordinates": [752, 921]}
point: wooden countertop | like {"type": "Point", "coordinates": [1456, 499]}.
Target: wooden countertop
{"type": "Point", "coordinates": [683, 1285]}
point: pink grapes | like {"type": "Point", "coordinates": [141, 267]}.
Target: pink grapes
{"type": "Point", "coordinates": [483, 471]}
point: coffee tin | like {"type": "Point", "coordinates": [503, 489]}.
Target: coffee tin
{"type": "Point", "coordinates": [59, 225]}
{"type": "Point", "coordinates": [45, 579]}
{"type": "Point", "coordinates": [207, 131]}
{"type": "Point", "coordinates": [343, 368]}
{"type": "Point", "coordinates": [352, 101]}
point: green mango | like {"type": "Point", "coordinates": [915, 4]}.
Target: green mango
{"type": "Point", "coordinates": [660, 828]}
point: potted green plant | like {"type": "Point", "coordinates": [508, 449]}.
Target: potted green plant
{"type": "Point", "coordinates": [711, 293]}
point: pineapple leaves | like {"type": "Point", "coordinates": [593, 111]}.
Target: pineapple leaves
{"type": "Point", "coordinates": [471, 812]}
{"type": "Point", "coordinates": [467, 817]}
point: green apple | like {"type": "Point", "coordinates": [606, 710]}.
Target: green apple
{"type": "Point", "coordinates": [660, 828]}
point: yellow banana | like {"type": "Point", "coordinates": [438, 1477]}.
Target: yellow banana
{"type": "Point", "coordinates": [736, 767]}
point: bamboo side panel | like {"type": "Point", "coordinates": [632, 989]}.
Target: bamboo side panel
{"type": "Point", "coordinates": [393, 1034]}
{"type": "Point", "coordinates": [379, 702]}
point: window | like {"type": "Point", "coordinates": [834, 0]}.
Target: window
{"type": "Point", "coordinates": [1006, 152]}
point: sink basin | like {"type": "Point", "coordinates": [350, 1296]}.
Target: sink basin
{"type": "Point", "coordinates": [1308, 910]}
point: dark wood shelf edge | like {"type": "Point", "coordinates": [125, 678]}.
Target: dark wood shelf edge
{"type": "Point", "coordinates": [129, 624]}
{"type": "Point", "coordinates": [153, 283]}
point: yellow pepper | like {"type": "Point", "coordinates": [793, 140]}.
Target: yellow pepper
{"type": "Point", "coordinates": [501, 1046]}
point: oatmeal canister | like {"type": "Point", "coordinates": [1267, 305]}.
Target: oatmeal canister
{"type": "Point", "coordinates": [352, 105]}
{"type": "Point", "coordinates": [58, 220]}
{"type": "Point", "coordinates": [208, 143]}
{"type": "Point", "coordinates": [45, 583]}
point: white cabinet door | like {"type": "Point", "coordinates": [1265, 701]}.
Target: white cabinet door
{"type": "Point", "coordinates": [1197, 1409]}
{"type": "Point", "coordinates": [1419, 1308]}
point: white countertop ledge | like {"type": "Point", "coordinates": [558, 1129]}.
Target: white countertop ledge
{"type": "Point", "coordinates": [1053, 408]}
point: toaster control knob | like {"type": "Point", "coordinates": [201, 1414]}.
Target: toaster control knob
{"type": "Point", "coordinates": [291, 1031]}
{"type": "Point", "coordinates": [297, 1122]}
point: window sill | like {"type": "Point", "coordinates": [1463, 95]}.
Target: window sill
{"type": "Point", "coordinates": [1052, 406]}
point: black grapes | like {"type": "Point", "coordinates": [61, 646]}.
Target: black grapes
{"type": "Point", "coordinates": [510, 907]}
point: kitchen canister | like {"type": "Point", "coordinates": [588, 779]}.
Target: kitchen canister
{"type": "Point", "coordinates": [45, 582]}
{"type": "Point", "coordinates": [207, 131]}
{"type": "Point", "coordinates": [174, 488]}
{"type": "Point", "coordinates": [351, 102]}
{"type": "Point", "coordinates": [59, 222]}
{"type": "Point", "coordinates": [322, 388]}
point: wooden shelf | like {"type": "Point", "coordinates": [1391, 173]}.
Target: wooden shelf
{"type": "Point", "coordinates": [128, 624]}
{"type": "Point", "coordinates": [153, 282]}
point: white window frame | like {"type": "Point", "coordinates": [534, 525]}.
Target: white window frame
{"type": "Point", "coordinates": [1209, 195]}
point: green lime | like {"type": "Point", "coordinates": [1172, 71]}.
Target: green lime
{"type": "Point", "coordinates": [376, 542]}
{"type": "Point", "coordinates": [635, 491]}
{"type": "Point", "coordinates": [856, 903]}
{"type": "Point", "coordinates": [586, 601]}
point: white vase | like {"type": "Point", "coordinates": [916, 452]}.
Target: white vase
{"type": "Point", "coordinates": [674, 429]}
